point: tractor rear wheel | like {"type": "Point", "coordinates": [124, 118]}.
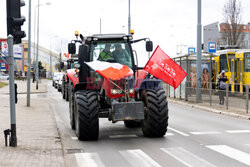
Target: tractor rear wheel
{"type": "Point", "coordinates": [71, 107]}
{"type": "Point", "coordinates": [132, 124]}
{"type": "Point", "coordinates": [155, 121]}
{"type": "Point", "coordinates": [86, 115]}
{"type": "Point", "coordinates": [66, 91]}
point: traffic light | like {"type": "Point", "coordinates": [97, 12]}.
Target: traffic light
{"type": "Point", "coordinates": [15, 20]}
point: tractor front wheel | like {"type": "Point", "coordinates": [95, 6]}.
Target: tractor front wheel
{"type": "Point", "coordinates": [86, 115]}
{"type": "Point", "coordinates": [156, 113]}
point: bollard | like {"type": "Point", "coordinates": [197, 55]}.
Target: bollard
{"type": "Point", "coordinates": [247, 95]}
{"type": "Point", "coordinates": [227, 96]}
{"type": "Point", "coordinates": [210, 93]}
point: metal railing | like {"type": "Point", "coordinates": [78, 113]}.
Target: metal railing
{"type": "Point", "coordinates": [236, 96]}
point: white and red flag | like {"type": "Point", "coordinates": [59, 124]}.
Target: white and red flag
{"type": "Point", "coordinates": [114, 71]}
{"type": "Point", "coordinates": [163, 67]}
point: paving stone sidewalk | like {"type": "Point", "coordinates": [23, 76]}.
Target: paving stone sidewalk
{"type": "Point", "coordinates": [38, 141]}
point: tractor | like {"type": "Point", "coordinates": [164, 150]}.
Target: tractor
{"type": "Point", "coordinates": [69, 64]}
{"type": "Point", "coordinates": [139, 99]}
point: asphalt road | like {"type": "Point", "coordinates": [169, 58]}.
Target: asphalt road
{"type": "Point", "coordinates": [194, 138]}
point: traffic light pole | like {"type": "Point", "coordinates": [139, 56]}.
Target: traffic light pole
{"type": "Point", "coordinates": [13, 138]}
{"type": "Point", "coordinates": [29, 62]}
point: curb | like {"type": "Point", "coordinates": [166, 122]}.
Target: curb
{"type": "Point", "coordinates": [211, 110]}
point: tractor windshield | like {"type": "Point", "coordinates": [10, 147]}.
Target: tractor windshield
{"type": "Point", "coordinates": [111, 51]}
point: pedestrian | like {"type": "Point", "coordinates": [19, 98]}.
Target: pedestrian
{"type": "Point", "coordinates": [34, 77]}
{"type": "Point", "coordinates": [221, 84]}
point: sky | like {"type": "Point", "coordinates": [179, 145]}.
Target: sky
{"type": "Point", "coordinates": [171, 24]}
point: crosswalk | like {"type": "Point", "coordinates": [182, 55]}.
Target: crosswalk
{"type": "Point", "coordinates": [139, 158]}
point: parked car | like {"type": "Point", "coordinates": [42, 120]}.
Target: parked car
{"type": "Point", "coordinates": [59, 84]}
{"type": "Point", "coordinates": [4, 76]}
{"type": "Point", "coordinates": [54, 79]}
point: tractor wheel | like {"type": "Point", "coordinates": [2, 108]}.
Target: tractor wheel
{"type": "Point", "coordinates": [86, 115]}
{"type": "Point", "coordinates": [132, 124]}
{"type": "Point", "coordinates": [66, 92]}
{"type": "Point", "coordinates": [63, 90]}
{"type": "Point", "coordinates": [71, 107]}
{"type": "Point", "coordinates": [155, 121]}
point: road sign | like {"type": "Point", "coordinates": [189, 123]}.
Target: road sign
{"type": "Point", "coordinates": [191, 50]}
{"type": "Point", "coordinates": [2, 66]}
{"type": "Point", "coordinates": [212, 47]}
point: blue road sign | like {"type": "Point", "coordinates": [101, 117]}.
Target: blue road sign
{"type": "Point", "coordinates": [2, 66]}
{"type": "Point", "coordinates": [191, 50]}
{"type": "Point", "coordinates": [212, 47]}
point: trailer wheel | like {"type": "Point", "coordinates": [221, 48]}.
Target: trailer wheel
{"type": "Point", "coordinates": [86, 115]}
{"type": "Point", "coordinates": [71, 108]}
{"type": "Point", "coordinates": [156, 113]}
{"type": "Point", "coordinates": [132, 124]}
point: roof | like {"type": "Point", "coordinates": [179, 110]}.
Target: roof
{"type": "Point", "coordinates": [110, 36]}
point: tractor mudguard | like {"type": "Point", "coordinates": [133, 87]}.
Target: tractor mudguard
{"type": "Point", "coordinates": [71, 75]}
{"type": "Point", "coordinates": [151, 84]}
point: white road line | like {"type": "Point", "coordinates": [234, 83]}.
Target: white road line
{"type": "Point", "coordinates": [177, 131]}
{"type": "Point", "coordinates": [137, 158]}
{"type": "Point", "coordinates": [238, 131]}
{"type": "Point", "coordinates": [169, 134]}
{"type": "Point", "coordinates": [122, 136]}
{"type": "Point", "coordinates": [205, 133]}
{"type": "Point", "coordinates": [232, 153]}
{"type": "Point", "coordinates": [88, 160]}
{"type": "Point", "coordinates": [187, 158]}
{"type": "Point", "coordinates": [74, 138]}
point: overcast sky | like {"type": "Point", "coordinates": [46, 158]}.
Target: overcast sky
{"type": "Point", "coordinates": [168, 23]}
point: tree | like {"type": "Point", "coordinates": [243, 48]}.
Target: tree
{"type": "Point", "coordinates": [232, 29]}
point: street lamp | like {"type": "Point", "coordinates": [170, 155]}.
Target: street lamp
{"type": "Point", "coordinates": [37, 45]}
{"type": "Point", "coordinates": [50, 58]}
{"type": "Point", "coordinates": [129, 18]}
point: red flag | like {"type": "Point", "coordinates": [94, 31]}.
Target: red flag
{"type": "Point", "coordinates": [163, 67]}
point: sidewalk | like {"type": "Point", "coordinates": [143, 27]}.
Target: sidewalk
{"type": "Point", "coordinates": [38, 141]}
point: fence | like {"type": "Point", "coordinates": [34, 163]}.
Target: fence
{"type": "Point", "coordinates": [234, 100]}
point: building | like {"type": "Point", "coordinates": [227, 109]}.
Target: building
{"type": "Point", "coordinates": [44, 57]}
{"type": "Point", "coordinates": [214, 33]}
{"type": "Point", "coordinates": [21, 57]}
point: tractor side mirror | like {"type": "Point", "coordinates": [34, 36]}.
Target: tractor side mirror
{"type": "Point", "coordinates": [61, 65]}
{"type": "Point", "coordinates": [72, 48]}
{"type": "Point", "coordinates": [149, 46]}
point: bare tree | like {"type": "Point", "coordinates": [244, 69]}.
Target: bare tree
{"type": "Point", "coordinates": [232, 29]}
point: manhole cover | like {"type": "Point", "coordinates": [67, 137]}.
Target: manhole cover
{"type": "Point", "coordinates": [73, 151]}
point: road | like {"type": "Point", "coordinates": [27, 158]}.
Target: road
{"type": "Point", "coordinates": [194, 138]}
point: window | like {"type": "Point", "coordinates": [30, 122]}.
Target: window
{"type": "Point", "coordinates": [247, 62]}
{"type": "Point", "coordinates": [116, 51]}
{"type": "Point", "coordinates": [223, 62]}
{"type": "Point", "coordinates": [230, 57]}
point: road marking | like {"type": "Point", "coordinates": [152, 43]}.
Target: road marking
{"type": "Point", "coordinates": [232, 153]}
{"type": "Point", "coordinates": [88, 160]}
{"type": "Point", "coordinates": [177, 131]}
{"type": "Point", "coordinates": [169, 134]}
{"type": "Point", "coordinates": [137, 158]}
{"type": "Point", "coordinates": [122, 136]}
{"type": "Point", "coordinates": [74, 138]}
{"type": "Point", "coordinates": [187, 158]}
{"type": "Point", "coordinates": [205, 133]}
{"type": "Point", "coordinates": [238, 131]}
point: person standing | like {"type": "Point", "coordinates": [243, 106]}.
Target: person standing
{"type": "Point", "coordinates": [221, 83]}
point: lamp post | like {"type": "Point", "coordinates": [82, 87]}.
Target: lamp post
{"type": "Point", "coordinates": [50, 58]}
{"type": "Point", "coordinates": [37, 45]}
{"type": "Point", "coordinates": [129, 18]}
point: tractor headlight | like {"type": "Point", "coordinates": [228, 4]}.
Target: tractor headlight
{"type": "Point", "coordinates": [116, 91]}
{"type": "Point", "coordinates": [131, 91]}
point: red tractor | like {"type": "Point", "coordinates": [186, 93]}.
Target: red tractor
{"type": "Point", "coordinates": [139, 100]}
{"type": "Point", "coordinates": [69, 64]}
